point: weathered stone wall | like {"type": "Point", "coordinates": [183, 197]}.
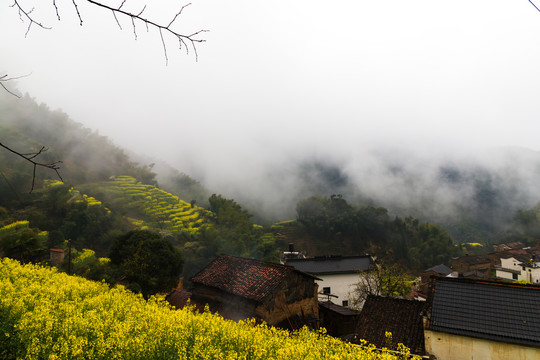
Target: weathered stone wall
{"type": "Point", "coordinates": [455, 347]}
{"type": "Point", "coordinates": [308, 307]}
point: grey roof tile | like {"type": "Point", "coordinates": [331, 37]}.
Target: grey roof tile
{"type": "Point", "coordinates": [332, 264]}
{"type": "Point", "coordinates": [495, 311]}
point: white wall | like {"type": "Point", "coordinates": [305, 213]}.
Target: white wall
{"type": "Point", "coordinates": [340, 285]}
{"type": "Point", "coordinates": [532, 276]}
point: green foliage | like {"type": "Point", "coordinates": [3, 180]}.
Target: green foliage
{"type": "Point", "coordinates": [19, 241]}
{"type": "Point", "coordinates": [382, 279]}
{"type": "Point", "coordinates": [186, 187]}
{"type": "Point", "coordinates": [149, 207]}
{"type": "Point", "coordinates": [525, 227]}
{"type": "Point", "coordinates": [69, 214]}
{"type": "Point", "coordinates": [86, 156]}
{"type": "Point", "coordinates": [85, 263]}
{"type": "Point", "coordinates": [334, 226]}
{"type": "Point", "coordinates": [147, 259]}
{"type": "Point", "coordinates": [49, 315]}
{"type": "Point", "coordinates": [231, 233]}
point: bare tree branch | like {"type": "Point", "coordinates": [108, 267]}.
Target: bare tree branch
{"type": "Point", "coordinates": [26, 14]}
{"type": "Point", "coordinates": [30, 158]}
{"type": "Point", "coordinates": [536, 7]}
{"type": "Point", "coordinates": [182, 38]}
{"type": "Point", "coordinates": [4, 78]}
{"type": "Point", "coordinates": [77, 9]}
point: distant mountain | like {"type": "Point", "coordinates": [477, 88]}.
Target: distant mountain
{"type": "Point", "coordinates": [474, 196]}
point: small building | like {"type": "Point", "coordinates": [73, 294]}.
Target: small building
{"type": "Point", "coordinates": [437, 270]}
{"type": "Point", "coordinates": [524, 268]}
{"type": "Point", "coordinates": [240, 288]}
{"type": "Point", "coordinates": [479, 319]}
{"type": "Point", "coordinates": [402, 318]}
{"type": "Point", "coordinates": [469, 263]}
{"type": "Point", "coordinates": [337, 320]}
{"type": "Point", "coordinates": [508, 246]}
{"type": "Point", "coordinates": [338, 274]}
{"type": "Point", "coordinates": [56, 256]}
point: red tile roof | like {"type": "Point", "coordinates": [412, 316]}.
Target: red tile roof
{"type": "Point", "coordinates": [248, 278]}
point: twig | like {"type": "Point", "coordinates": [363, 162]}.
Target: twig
{"type": "Point", "coordinates": [77, 9]}
{"type": "Point", "coordinates": [27, 15]}
{"type": "Point", "coordinates": [536, 7]}
{"type": "Point", "coordinates": [30, 156]}
{"type": "Point", "coordinates": [183, 39]}
{"type": "Point", "coordinates": [4, 78]}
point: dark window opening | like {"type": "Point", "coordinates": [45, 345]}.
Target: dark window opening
{"type": "Point", "coordinates": [326, 290]}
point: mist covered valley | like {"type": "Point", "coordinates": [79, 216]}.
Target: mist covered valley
{"type": "Point", "coordinates": [473, 190]}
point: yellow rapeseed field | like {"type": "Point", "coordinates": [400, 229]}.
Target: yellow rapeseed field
{"type": "Point", "coordinates": [45, 314]}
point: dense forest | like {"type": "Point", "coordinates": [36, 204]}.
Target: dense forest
{"type": "Point", "coordinates": [108, 208]}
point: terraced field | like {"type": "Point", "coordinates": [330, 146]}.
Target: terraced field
{"type": "Point", "coordinates": [149, 207]}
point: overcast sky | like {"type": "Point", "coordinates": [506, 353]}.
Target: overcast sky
{"type": "Point", "coordinates": [278, 80]}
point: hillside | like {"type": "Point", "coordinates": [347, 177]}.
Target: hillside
{"type": "Point", "coordinates": [148, 207]}
{"type": "Point", "coordinates": [423, 206]}
{"type": "Point", "coordinates": [85, 156]}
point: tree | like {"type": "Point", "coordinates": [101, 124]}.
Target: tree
{"type": "Point", "coordinates": [381, 280]}
{"type": "Point", "coordinates": [19, 241]}
{"type": "Point", "coordinates": [148, 261]}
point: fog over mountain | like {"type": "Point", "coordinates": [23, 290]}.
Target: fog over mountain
{"type": "Point", "coordinates": [433, 188]}
{"type": "Point", "coordinates": [416, 106]}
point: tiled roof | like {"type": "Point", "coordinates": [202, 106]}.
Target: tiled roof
{"type": "Point", "coordinates": [489, 310]}
{"type": "Point", "coordinates": [473, 259]}
{"type": "Point", "coordinates": [248, 278]}
{"type": "Point", "coordinates": [342, 310]}
{"type": "Point", "coordinates": [403, 318]}
{"type": "Point", "coordinates": [515, 245]}
{"type": "Point", "coordinates": [332, 264]}
{"type": "Point", "coordinates": [440, 269]}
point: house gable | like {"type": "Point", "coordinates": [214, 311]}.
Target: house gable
{"type": "Point", "coordinates": [241, 288]}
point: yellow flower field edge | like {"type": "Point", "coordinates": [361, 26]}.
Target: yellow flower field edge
{"type": "Point", "coordinates": [45, 314]}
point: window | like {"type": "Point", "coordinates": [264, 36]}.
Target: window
{"type": "Point", "coordinates": [514, 276]}
{"type": "Point", "coordinates": [326, 290]}
{"type": "Point", "coordinates": [345, 303]}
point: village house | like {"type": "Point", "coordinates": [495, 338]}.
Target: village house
{"type": "Point", "coordinates": [402, 318]}
{"type": "Point", "coordinates": [56, 256]}
{"type": "Point", "coordinates": [425, 276]}
{"type": "Point", "coordinates": [479, 319]}
{"type": "Point", "coordinates": [337, 320]}
{"type": "Point", "coordinates": [516, 245]}
{"type": "Point", "coordinates": [240, 288]}
{"type": "Point", "coordinates": [337, 274]}
{"type": "Point", "coordinates": [524, 268]}
{"type": "Point", "coordinates": [477, 266]}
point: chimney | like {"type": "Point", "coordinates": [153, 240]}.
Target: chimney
{"type": "Point", "coordinates": [291, 247]}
